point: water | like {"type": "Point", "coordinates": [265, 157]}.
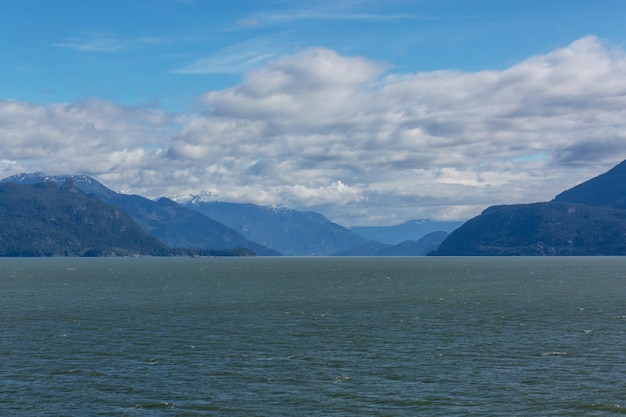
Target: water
{"type": "Point", "coordinates": [313, 336]}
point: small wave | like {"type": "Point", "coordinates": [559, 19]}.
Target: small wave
{"type": "Point", "coordinates": [153, 406]}
{"type": "Point", "coordinates": [341, 378]}
{"type": "Point", "coordinates": [602, 407]}
{"type": "Point", "coordinates": [66, 371]}
{"type": "Point", "coordinates": [555, 353]}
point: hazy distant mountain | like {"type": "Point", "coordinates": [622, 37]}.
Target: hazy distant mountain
{"type": "Point", "coordinates": [421, 247]}
{"type": "Point", "coordinates": [47, 220]}
{"type": "Point", "coordinates": [173, 224]}
{"type": "Point", "coordinates": [291, 232]}
{"type": "Point", "coordinates": [588, 219]}
{"type": "Point", "coordinates": [411, 230]}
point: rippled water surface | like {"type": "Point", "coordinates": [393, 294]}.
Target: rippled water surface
{"type": "Point", "coordinates": [313, 336]}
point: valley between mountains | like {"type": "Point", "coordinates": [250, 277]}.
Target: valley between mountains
{"type": "Point", "coordinates": [76, 215]}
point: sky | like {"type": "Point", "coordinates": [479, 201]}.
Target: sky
{"type": "Point", "coordinates": [371, 112]}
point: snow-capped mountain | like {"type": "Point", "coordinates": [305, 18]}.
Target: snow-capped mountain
{"type": "Point", "coordinates": [196, 198]}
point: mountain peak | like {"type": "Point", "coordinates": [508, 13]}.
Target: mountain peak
{"type": "Point", "coordinates": [82, 182]}
{"type": "Point", "coordinates": [608, 189]}
{"type": "Point", "coordinates": [193, 199]}
{"type": "Point", "coordinates": [30, 178]}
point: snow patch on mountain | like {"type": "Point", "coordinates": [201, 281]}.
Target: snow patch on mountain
{"type": "Point", "coordinates": [194, 198]}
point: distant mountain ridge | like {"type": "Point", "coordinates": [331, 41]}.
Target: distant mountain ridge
{"type": "Point", "coordinates": [421, 247]}
{"type": "Point", "coordinates": [290, 232]}
{"type": "Point", "coordinates": [588, 219]}
{"type": "Point", "coordinates": [410, 230]}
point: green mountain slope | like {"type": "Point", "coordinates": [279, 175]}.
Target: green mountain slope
{"type": "Point", "coordinates": [554, 228]}
{"type": "Point", "coordinates": [46, 220]}
{"type": "Point", "coordinates": [589, 219]}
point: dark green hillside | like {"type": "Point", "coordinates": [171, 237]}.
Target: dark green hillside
{"type": "Point", "coordinates": [608, 189]}
{"type": "Point", "coordinates": [588, 219]}
{"type": "Point", "coordinates": [553, 228]}
{"type": "Point", "coordinates": [45, 220]}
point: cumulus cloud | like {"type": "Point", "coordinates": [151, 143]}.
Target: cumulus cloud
{"type": "Point", "coordinates": [351, 138]}
{"type": "Point", "coordinates": [320, 116]}
{"type": "Point", "coordinates": [92, 137]}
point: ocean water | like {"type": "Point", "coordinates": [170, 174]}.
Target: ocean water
{"type": "Point", "coordinates": [313, 337]}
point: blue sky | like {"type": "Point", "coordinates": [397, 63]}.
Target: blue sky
{"type": "Point", "coordinates": [166, 52]}
{"type": "Point", "coordinates": [372, 112]}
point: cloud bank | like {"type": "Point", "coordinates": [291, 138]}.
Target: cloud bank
{"type": "Point", "coordinates": [350, 137]}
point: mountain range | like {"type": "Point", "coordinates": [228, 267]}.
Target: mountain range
{"type": "Point", "coordinates": [76, 215]}
{"type": "Point", "coordinates": [198, 224]}
{"type": "Point", "coordinates": [588, 219]}
{"type": "Point", "coordinates": [171, 223]}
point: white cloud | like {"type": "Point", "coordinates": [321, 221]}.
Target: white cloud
{"type": "Point", "coordinates": [341, 135]}
{"type": "Point", "coordinates": [93, 137]}
{"type": "Point", "coordinates": [322, 117]}
{"type": "Point", "coordinates": [291, 12]}
{"type": "Point", "coordinates": [237, 58]}
{"type": "Point", "coordinates": [98, 42]}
